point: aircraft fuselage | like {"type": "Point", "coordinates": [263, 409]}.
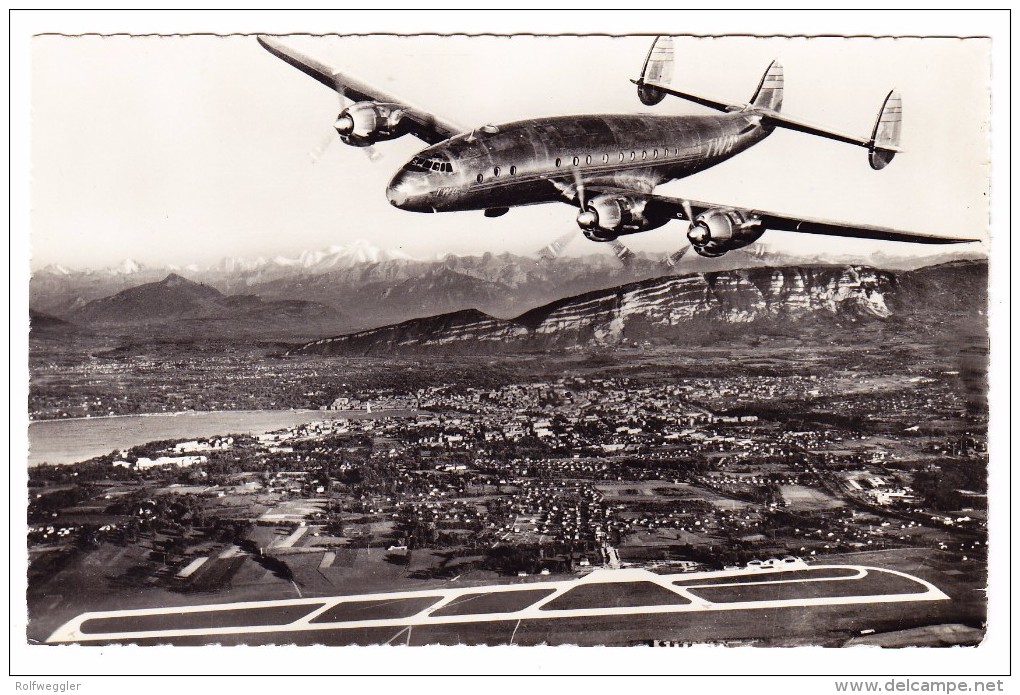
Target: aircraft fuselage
{"type": "Point", "coordinates": [534, 161]}
{"type": "Point", "coordinates": [607, 166]}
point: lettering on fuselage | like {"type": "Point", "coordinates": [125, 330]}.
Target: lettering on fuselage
{"type": "Point", "coordinates": [535, 161]}
{"type": "Point", "coordinates": [720, 146]}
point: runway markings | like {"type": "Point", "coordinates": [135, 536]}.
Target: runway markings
{"type": "Point", "coordinates": [207, 617]}
{"type": "Point", "coordinates": [602, 593]}
{"type": "Point", "coordinates": [347, 611]}
{"type": "Point", "coordinates": [402, 631]}
{"type": "Point", "coordinates": [490, 603]}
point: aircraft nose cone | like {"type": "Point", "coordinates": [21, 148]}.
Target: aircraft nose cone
{"type": "Point", "coordinates": [397, 195]}
{"type": "Point", "coordinates": [409, 190]}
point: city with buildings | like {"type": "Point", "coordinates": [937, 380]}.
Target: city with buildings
{"type": "Point", "coordinates": [554, 477]}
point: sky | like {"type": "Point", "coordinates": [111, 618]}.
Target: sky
{"type": "Point", "coordinates": [190, 149]}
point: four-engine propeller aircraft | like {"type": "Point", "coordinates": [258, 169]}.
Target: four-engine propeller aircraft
{"type": "Point", "coordinates": [606, 165]}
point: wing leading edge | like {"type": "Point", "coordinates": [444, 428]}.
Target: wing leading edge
{"type": "Point", "coordinates": [674, 207]}
{"type": "Point", "coordinates": [805, 225]}
{"type": "Point", "coordinates": [423, 124]}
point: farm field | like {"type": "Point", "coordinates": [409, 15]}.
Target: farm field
{"type": "Point", "coordinates": [803, 498]}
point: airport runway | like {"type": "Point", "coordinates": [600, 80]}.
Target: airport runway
{"type": "Point", "coordinates": [601, 593]}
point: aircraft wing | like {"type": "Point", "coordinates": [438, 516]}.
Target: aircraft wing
{"type": "Point", "coordinates": [424, 125]}
{"type": "Point", "coordinates": [805, 225]}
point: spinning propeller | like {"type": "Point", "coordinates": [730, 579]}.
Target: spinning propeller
{"type": "Point", "coordinates": [343, 126]}
{"type": "Point", "coordinates": [553, 250]}
{"type": "Point", "coordinates": [586, 219]}
{"type": "Point", "coordinates": [673, 260]}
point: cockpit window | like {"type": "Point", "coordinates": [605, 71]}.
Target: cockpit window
{"type": "Point", "coordinates": [431, 164]}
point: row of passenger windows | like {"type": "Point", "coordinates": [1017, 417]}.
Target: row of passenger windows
{"type": "Point", "coordinates": [621, 157]}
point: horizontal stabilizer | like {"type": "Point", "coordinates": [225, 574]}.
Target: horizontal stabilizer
{"type": "Point", "coordinates": [883, 144]}
{"type": "Point", "coordinates": [782, 120]}
{"type": "Point", "coordinates": [689, 96]}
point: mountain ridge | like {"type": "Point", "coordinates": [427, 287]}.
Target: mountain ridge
{"type": "Point", "coordinates": [662, 308]}
{"type": "Point", "coordinates": [178, 305]}
{"type": "Point", "coordinates": [374, 287]}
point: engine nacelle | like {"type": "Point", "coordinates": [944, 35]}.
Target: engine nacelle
{"type": "Point", "coordinates": [608, 216]}
{"type": "Point", "coordinates": [597, 234]}
{"type": "Point", "coordinates": [717, 231]}
{"type": "Point", "coordinates": [368, 122]}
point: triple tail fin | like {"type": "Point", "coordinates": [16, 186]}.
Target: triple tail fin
{"type": "Point", "coordinates": [657, 73]}
{"type": "Point", "coordinates": [769, 94]}
{"type": "Point", "coordinates": [657, 70]}
{"type": "Point", "coordinates": [767, 103]}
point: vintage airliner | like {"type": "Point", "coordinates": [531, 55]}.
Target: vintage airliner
{"type": "Point", "coordinates": [606, 165]}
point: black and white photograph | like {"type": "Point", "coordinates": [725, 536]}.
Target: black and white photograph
{"type": "Point", "coordinates": [357, 333]}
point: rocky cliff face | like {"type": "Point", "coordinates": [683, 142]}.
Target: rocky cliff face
{"type": "Point", "coordinates": [658, 308]}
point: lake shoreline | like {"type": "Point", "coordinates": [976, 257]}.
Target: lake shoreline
{"type": "Point", "coordinates": [73, 440]}
{"type": "Point", "coordinates": [181, 412]}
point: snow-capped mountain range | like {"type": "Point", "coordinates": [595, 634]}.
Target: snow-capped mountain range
{"type": "Point", "coordinates": [373, 287]}
{"type": "Point", "coordinates": [362, 252]}
{"type": "Point", "coordinates": [322, 260]}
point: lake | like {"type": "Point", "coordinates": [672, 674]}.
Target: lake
{"type": "Point", "coordinates": [70, 441]}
